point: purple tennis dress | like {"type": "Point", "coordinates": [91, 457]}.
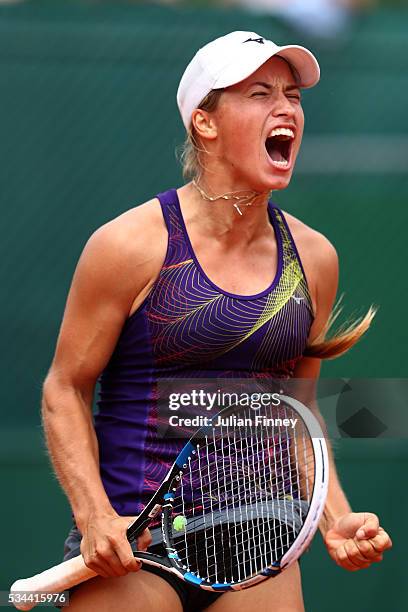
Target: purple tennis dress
{"type": "Point", "coordinates": [188, 327]}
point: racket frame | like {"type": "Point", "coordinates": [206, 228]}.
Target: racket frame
{"type": "Point", "coordinates": [164, 497]}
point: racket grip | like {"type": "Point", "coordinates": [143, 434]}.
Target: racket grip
{"type": "Point", "coordinates": [53, 580]}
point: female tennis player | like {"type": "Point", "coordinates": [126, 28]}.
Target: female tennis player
{"type": "Point", "coordinates": [211, 279]}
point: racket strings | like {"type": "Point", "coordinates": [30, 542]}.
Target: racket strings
{"type": "Point", "coordinates": [246, 492]}
{"type": "Point", "coordinates": [264, 485]}
{"type": "Point", "coordinates": [249, 528]}
{"type": "Point", "coordinates": [267, 482]}
{"type": "Point", "coordinates": [280, 461]}
{"type": "Point", "coordinates": [236, 563]}
{"type": "Point", "coordinates": [231, 448]}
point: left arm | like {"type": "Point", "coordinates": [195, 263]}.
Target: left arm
{"type": "Point", "coordinates": [354, 540]}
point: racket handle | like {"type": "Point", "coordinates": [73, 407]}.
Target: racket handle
{"type": "Point", "coordinates": [53, 580]}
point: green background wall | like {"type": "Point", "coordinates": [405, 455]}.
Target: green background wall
{"type": "Point", "coordinates": [89, 125]}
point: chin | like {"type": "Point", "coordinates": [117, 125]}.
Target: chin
{"type": "Point", "coordinates": [280, 184]}
{"type": "Point", "coordinates": [276, 183]}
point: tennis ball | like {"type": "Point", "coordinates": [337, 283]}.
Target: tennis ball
{"type": "Point", "coordinates": [179, 523]}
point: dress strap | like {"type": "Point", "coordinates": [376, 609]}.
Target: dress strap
{"type": "Point", "coordinates": [178, 250]}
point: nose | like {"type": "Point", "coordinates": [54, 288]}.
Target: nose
{"type": "Point", "coordinates": [282, 107]}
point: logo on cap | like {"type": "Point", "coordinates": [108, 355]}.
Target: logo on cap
{"type": "Point", "coordinates": [258, 40]}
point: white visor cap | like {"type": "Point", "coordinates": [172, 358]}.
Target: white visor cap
{"type": "Point", "coordinates": [230, 59]}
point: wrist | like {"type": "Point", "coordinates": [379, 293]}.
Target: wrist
{"type": "Point", "coordinates": [331, 516]}
{"type": "Point", "coordinates": [336, 505]}
{"type": "Point", "coordinates": [93, 514]}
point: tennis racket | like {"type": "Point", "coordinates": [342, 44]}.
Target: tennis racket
{"type": "Point", "coordinates": [241, 502]}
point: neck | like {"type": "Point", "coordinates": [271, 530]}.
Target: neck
{"type": "Point", "coordinates": [219, 188]}
{"type": "Point", "coordinates": [230, 215]}
{"type": "Point", "coordinates": [240, 199]}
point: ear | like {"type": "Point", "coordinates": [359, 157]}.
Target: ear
{"type": "Point", "coordinates": [204, 124]}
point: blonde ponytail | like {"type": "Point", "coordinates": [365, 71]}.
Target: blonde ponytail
{"type": "Point", "coordinates": [343, 339]}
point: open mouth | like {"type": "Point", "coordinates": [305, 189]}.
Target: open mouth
{"type": "Point", "coordinates": [279, 149]}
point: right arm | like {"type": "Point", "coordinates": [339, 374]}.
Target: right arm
{"type": "Point", "coordinates": [115, 267]}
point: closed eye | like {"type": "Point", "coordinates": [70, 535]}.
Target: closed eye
{"type": "Point", "coordinates": [258, 93]}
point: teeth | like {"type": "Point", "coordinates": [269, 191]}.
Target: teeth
{"type": "Point", "coordinates": [282, 132]}
{"type": "Point", "coordinates": [283, 163]}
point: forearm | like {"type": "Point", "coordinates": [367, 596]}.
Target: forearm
{"type": "Point", "coordinates": [73, 448]}
{"type": "Point", "coordinates": [336, 503]}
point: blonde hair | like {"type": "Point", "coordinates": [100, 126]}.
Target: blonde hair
{"type": "Point", "coordinates": [325, 346]}
{"type": "Point", "coordinates": [191, 150]}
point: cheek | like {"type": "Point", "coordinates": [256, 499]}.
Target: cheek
{"type": "Point", "coordinates": [238, 142]}
{"type": "Point", "coordinates": [238, 130]}
{"type": "Point", "coordinates": [300, 121]}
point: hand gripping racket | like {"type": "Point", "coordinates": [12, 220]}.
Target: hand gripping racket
{"type": "Point", "coordinates": [241, 502]}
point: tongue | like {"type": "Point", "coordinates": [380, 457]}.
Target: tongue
{"type": "Point", "coordinates": [275, 150]}
{"type": "Point", "coordinates": [276, 155]}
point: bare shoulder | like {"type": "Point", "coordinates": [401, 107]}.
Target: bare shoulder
{"type": "Point", "coordinates": [124, 256]}
{"type": "Point", "coordinates": [132, 241]}
{"type": "Point", "coordinates": [132, 231]}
